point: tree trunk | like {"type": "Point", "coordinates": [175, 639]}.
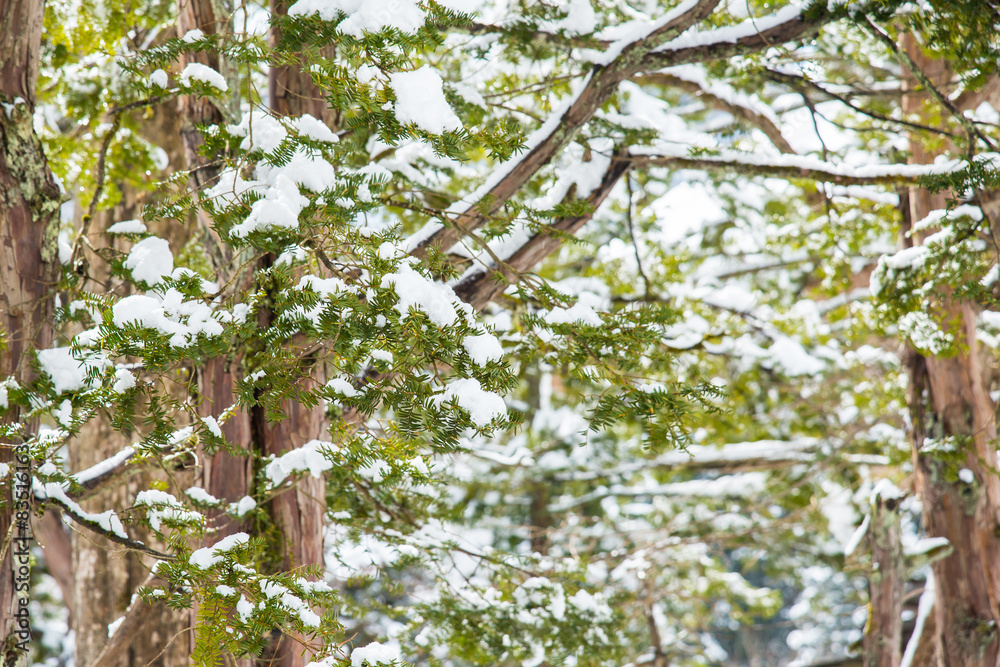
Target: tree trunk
{"type": "Point", "coordinates": [29, 218]}
{"type": "Point", "coordinates": [105, 577]}
{"type": "Point", "coordinates": [886, 583]}
{"type": "Point", "coordinates": [958, 406]}
{"type": "Point", "coordinates": [298, 512]}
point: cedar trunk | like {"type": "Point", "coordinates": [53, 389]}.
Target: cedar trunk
{"type": "Point", "coordinates": [29, 217]}
{"type": "Point", "coordinates": [956, 405]}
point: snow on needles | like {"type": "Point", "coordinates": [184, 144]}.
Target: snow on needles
{"type": "Point", "coordinates": [483, 348]}
{"type": "Point", "coordinates": [307, 457]}
{"type": "Point", "coordinates": [483, 406]}
{"type": "Point", "coordinates": [414, 290]}
{"type": "Point", "coordinates": [374, 654]}
{"type": "Point", "coordinates": [364, 16]}
{"type": "Point", "coordinates": [206, 557]}
{"type": "Point", "coordinates": [67, 372]}
{"type": "Point", "coordinates": [420, 100]}
{"type": "Point", "coordinates": [203, 74]}
{"type": "Point", "coordinates": [150, 260]}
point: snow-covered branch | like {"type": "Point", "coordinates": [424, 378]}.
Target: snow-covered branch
{"type": "Point", "coordinates": [741, 456]}
{"type": "Point", "coordinates": [620, 62]}
{"type": "Point", "coordinates": [106, 524]}
{"type": "Point", "coordinates": [691, 79]}
{"type": "Point", "coordinates": [793, 166]}
{"type": "Point", "coordinates": [785, 25]}
{"type": "Point", "coordinates": [482, 284]}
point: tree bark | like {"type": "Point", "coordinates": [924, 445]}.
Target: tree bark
{"type": "Point", "coordinates": [886, 583]}
{"type": "Point", "coordinates": [958, 406]}
{"type": "Point", "coordinates": [29, 219]}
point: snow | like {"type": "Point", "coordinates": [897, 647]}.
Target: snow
{"type": "Point", "coordinates": [632, 32]}
{"type": "Point", "coordinates": [926, 545]}
{"type": "Point", "coordinates": [884, 488]}
{"type": "Point", "coordinates": [307, 457]}
{"type": "Point", "coordinates": [127, 227]}
{"type": "Point", "coordinates": [225, 591]}
{"type": "Point", "coordinates": [415, 291]}
{"type": "Point", "coordinates": [280, 208]}
{"type": "Point", "coordinates": [482, 349]}
{"type": "Point", "coordinates": [183, 321]}
{"type": "Point", "coordinates": [582, 312]}
{"type": "Point", "coordinates": [941, 164]}
{"type": "Point", "coordinates": [966, 475]}
{"type": "Point", "coordinates": [342, 387]}
{"type": "Point", "coordinates": [315, 129]}
{"type": "Point", "coordinates": [924, 332]}
{"type": "Point", "coordinates": [66, 372]}
{"type": "Point", "coordinates": [124, 380]}
{"type": "Point", "coordinates": [114, 625]}
{"type": "Point", "coordinates": [464, 6]}
{"type": "Point", "coordinates": [107, 521]}
{"type": "Point", "coordinates": [200, 495]}
{"type": "Point", "coordinates": [309, 171]}
{"type": "Point", "coordinates": [483, 406]}
{"type": "Point", "coordinates": [697, 74]}
{"type": "Point", "coordinates": [731, 34]}
{"type": "Point", "coordinates": [420, 100]}
{"type": "Point", "coordinates": [501, 171]}
{"type": "Point", "coordinates": [202, 74]}
{"type": "Point", "coordinates": [206, 557]}
{"type": "Point", "coordinates": [859, 534]}
{"type": "Point", "coordinates": [150, 260]}
{"type": "Point", "coordinates": [163, 505]}
{"type": "Point", "coordinates": [158, 79]}
{"type": "Point", "coordinates": [105, 466]}
{"type": "Point", "coordinates": [580, 19]}
{"type": "Point", "coordinates": [375, 654]}
{"type": "Point", "coordinates": [364, 16]}
{"type": "Point", "coordinates": [192, 36]}
{"type": "Point", "coordinates": [244, 609]}
{"type": "Point", "coordinates": [924, 608]}
{"type": "Point", "coordinates": [212, 425]}
{"type": "Point", "coordinates": [793, 359]}
{"type": "Point", "coordinates": [260, 132]}
{"type": "Point", "coordinates": [244, 506]}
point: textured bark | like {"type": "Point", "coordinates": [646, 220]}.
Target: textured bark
{"type": "Point", "coordinates": [105, 577]}
{"type": "Point", "coordinates": [886, 583]}
{"type": "Point", "coordinates": [29, 216]}
{"type": "Point", "coordinates": [297, 512]}
{"type": "Point", "coordinates": [967, 608]}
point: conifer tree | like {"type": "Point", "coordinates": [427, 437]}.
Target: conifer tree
{"type": "Point", "coordinates": [458, 332]}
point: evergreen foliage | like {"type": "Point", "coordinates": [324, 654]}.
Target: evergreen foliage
{"type": "Point", "coordinates": [649, 447]}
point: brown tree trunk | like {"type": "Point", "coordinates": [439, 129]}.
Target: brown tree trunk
{"type": "Point", "coordinates": [958, 406]}
{"type": "Point", "coordinates": [29, 218]}
{"type": "Point", "coordinates": [298, 512]}
{"type": "Point", "coordinates": [887, 581]}
{"type": "Point", "coordinates": [104, 576]}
